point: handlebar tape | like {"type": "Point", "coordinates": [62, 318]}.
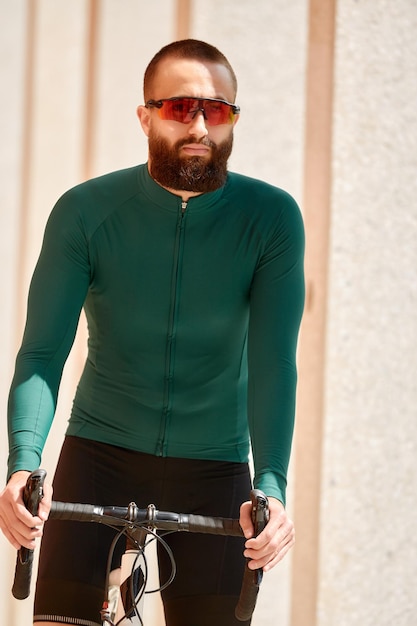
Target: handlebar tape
{"type": "Point", "coordinates": [32, 496]}
{"type": "Point", "coordinates": [161, 520]}
{"type": "Point", "coordinates": [252, 578]}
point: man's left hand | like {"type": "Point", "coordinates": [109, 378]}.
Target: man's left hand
{"type": "Point", "coordinates": [273, 543]}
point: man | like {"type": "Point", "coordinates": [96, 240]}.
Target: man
{"type": "Point", "coordinates": [192, 282]}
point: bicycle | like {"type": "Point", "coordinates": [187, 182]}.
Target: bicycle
{"type": "Point", "coordinates": [139, 526]}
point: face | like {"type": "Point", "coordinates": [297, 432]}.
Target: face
{"type": "Point", "coordinates": [189, 157]}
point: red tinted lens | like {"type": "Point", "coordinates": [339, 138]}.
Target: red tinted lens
{"type": "Point", "coordinates": [218, 112]}
{"type": "Point", "coordinates": [184, 109]}
{"type": "Point", "coordinates": [177, 110]}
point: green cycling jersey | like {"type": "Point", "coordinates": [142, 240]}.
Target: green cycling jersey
{"type": "Point", "coordinates": [193, 313]}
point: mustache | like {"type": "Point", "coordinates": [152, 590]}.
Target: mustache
{"type": "Point", "coordinates": [205, 141]}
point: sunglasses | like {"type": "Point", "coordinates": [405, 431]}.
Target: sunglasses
{"type": "Point", "coordinates": [185, 109]}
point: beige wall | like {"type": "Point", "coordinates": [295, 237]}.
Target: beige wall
{"type": "Point", "coordinates": [368, 557]}
{"type": "Point", "coordinates": [70, 81]}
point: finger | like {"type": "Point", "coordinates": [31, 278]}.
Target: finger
{"type": "Point", "coordinates": [43, 510]}
{"type": "Point", "coordinates": [278, 542]}
{"type": "Point", "coordinates": [23, 516]}
{"type": "Point", "coordinates": [10, 538]}
{"type": "Point", "coordinates": [279, 556]}
{"type": "Point", "coordinates": [5, 530]}
{"type": "Point", "coordinates": [26, 534]}
{"type": "Point", "coordinates": [45, 504]}
{"type": "Point", "coordinates": [272, 546]}
{"type": "Point", "coordinates": [273, 535]}
{"type": "Point", "coordinates": [268, 560]}
{"type": "Point", "coordinates": [245, 520]}
{"type": "Point", "coordinates": [21, 523]}
{"type": "Point", "coordinates": [30, 545]}
{"type": "Point", "coordinates": [17, 539]}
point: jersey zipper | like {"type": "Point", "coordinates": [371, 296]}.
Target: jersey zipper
{"type": "Point", "coordinates": [172, 328]}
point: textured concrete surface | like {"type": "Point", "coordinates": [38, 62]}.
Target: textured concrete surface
{"type": "Point", "coordinates": [369, 498]}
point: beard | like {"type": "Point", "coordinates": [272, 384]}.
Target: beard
{"type": "Point", "coordinates": [195, 173]}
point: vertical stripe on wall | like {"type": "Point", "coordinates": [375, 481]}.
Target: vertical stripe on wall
{"type": "Point", "coordinates": [310, 409]}
{"type": "Point", "coordinates": [183, 26]}
{"type": "Point", "coordinates": [90, 88]}
{"type": "Point", "coordinates": [24, 235]}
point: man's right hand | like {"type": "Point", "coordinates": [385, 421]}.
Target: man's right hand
{"type": "Point", "coordinates": [16, 523]}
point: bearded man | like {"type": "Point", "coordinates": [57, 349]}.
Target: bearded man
{"type": "Point", "coordinates": [191, 278]}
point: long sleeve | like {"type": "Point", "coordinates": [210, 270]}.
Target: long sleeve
{"type": "Point", "coordinates": [276, 306]}
{"type": "Point", "coordinates": [57, 292]}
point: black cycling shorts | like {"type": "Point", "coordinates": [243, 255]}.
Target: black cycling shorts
{"type": "Point", "coordinates": [73, 555]}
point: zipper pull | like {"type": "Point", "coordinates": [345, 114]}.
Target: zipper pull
{"type": "Point", "coordinates": [183, 206]}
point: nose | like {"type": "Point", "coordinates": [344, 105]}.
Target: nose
{"type": "Point", "coordinates": [197, 126]}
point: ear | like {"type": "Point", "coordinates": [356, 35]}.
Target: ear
{"type": "Point", "coordinates": [144, 116]}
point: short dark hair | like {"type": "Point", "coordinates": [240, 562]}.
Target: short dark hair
{"type": "Point", "coordinates": [186, 49]}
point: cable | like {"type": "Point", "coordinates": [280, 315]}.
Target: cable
{"type": "Point", "coordinates": [105, 615]}
{"type": "Point", "coordinates": [135, 597]}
